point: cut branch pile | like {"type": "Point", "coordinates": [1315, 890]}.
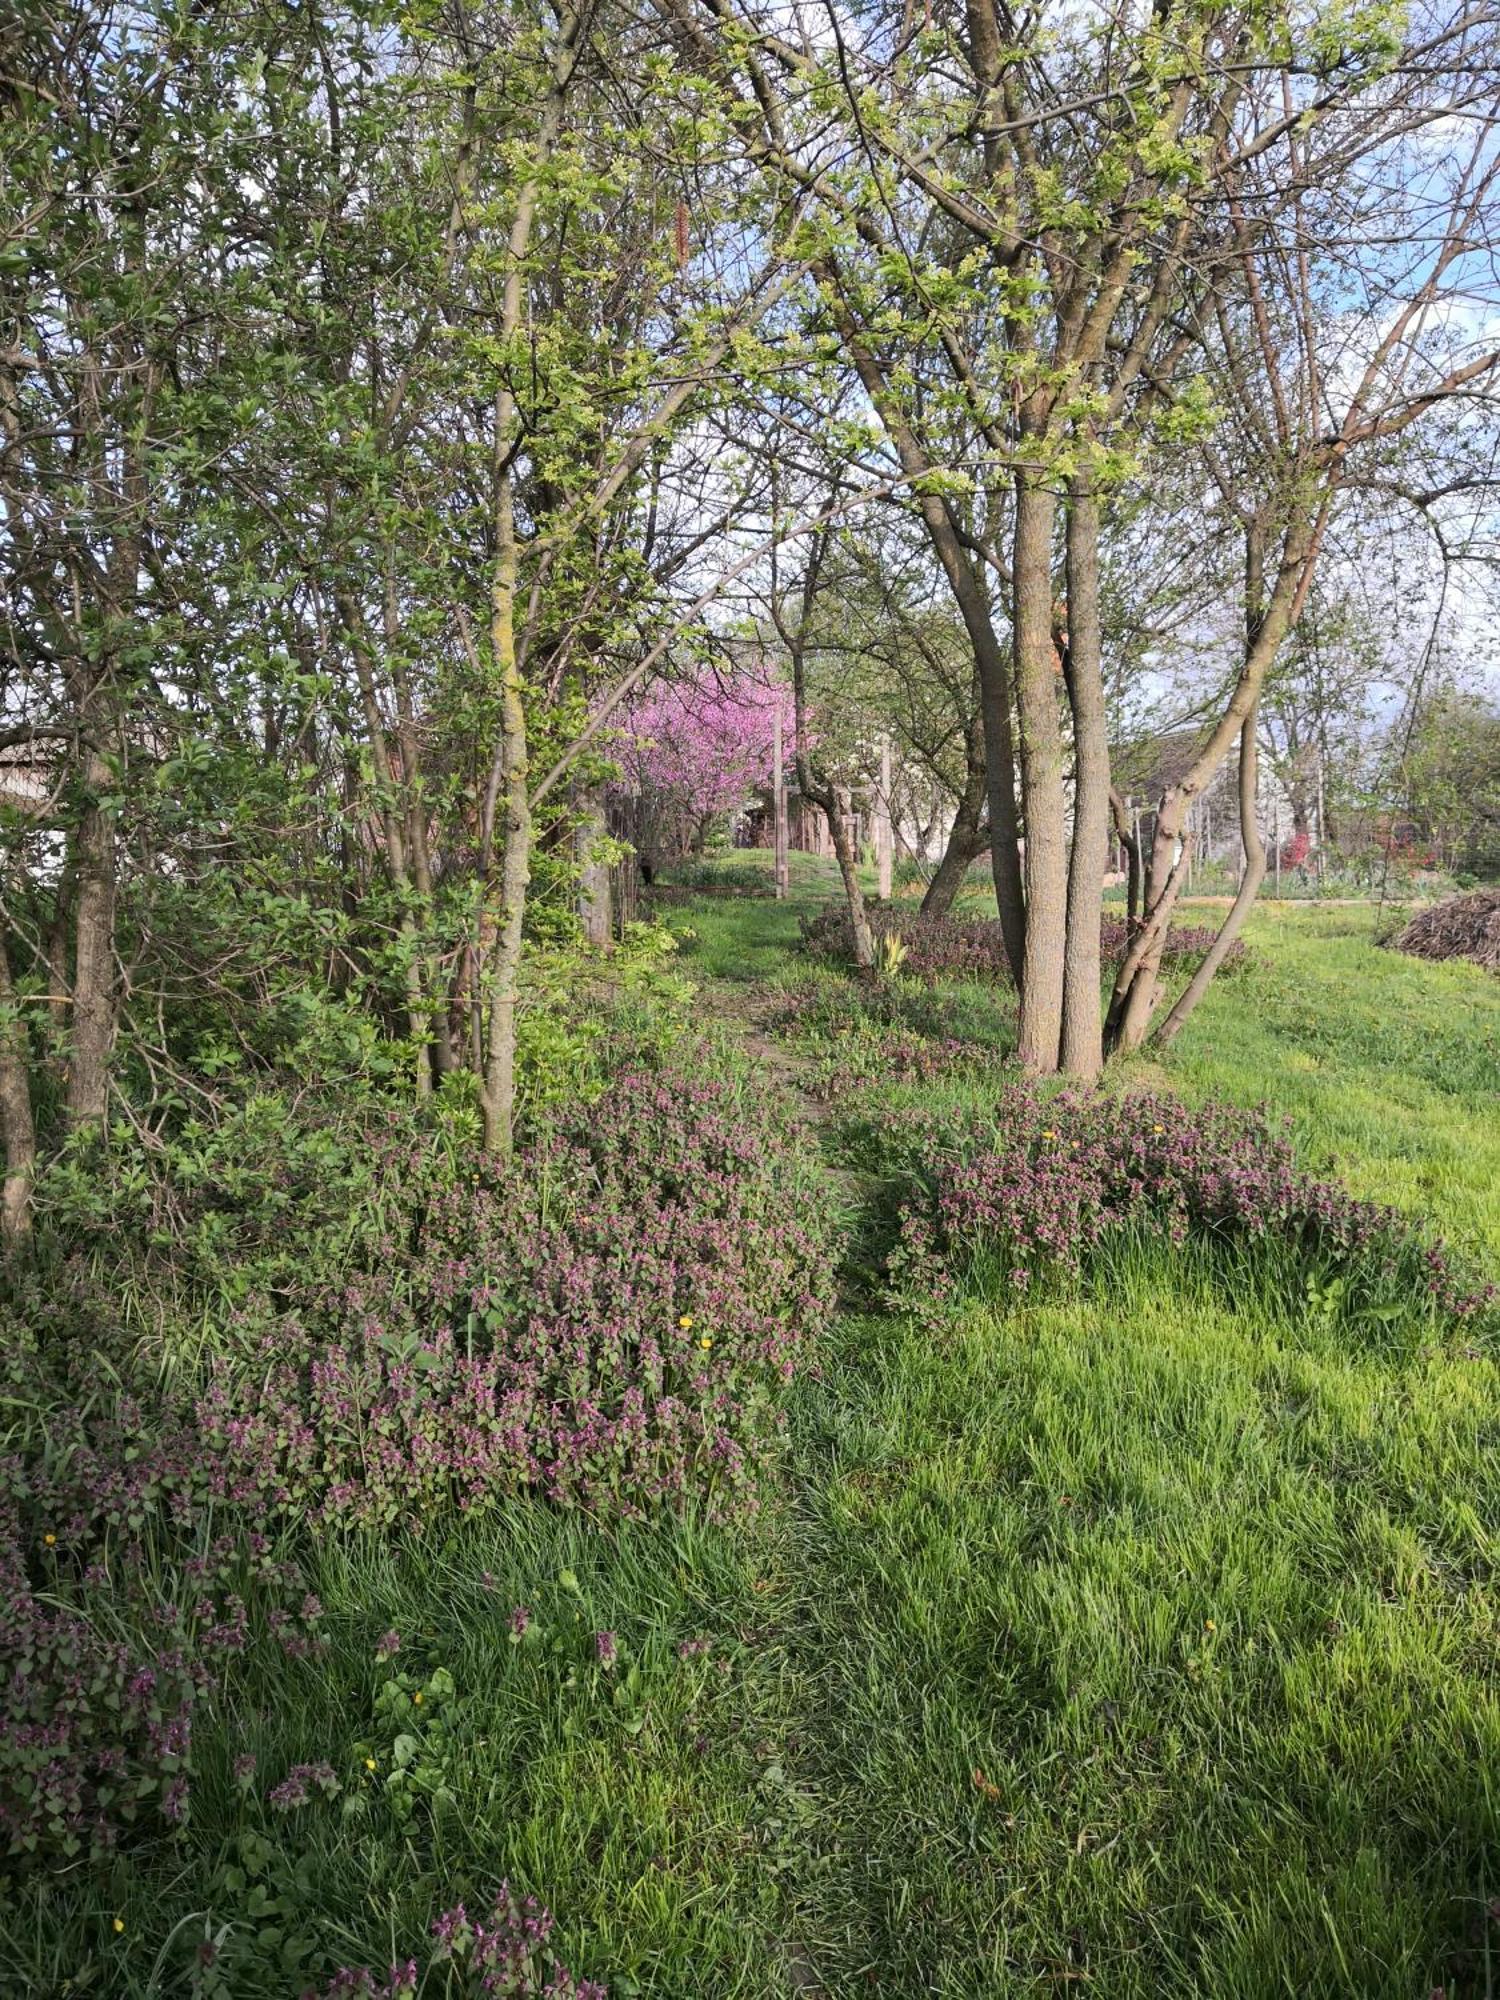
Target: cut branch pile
{"type": "Point", "coordinates": [1463, 927]}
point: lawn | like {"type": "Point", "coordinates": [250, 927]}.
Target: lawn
{"type": "Point", "coordinates": [1138, 1636]}
{"type": "Point", "coordinates": [1153, 1627]}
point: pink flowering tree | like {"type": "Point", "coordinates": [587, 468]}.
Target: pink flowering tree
{"type": "Point", "coordinates": [699, 748]}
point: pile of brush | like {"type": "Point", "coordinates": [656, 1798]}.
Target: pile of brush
{"type": "Point", "coordinates": [1463, 927]}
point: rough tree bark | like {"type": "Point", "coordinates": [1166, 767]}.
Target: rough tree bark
{"type": "Point", "coordinates": [92, 1041]}
{"type": "Point", "coordinates": [17, 1127]}
{"type": "Point", "coordinates": [969, 837]}
{"type": "Point", "coordinates": [1046, 871]}
{"type": "Point", "coordinates": [1125, 834]}
{"type": "Point", "coordinates": [511, 773]}
{"type": "Point", "coordinates": [1082, 1022]}
{"type": "Point", "coordinates": [595, 897]}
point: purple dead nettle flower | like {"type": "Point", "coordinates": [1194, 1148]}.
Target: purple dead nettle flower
{"type": "Point", "coordinates": [299, 1784]}
{"type": "Point", "coordinates": [387, 1646]}
{"type": "Point", "coordinates": [607, 1648]}
{"type": "Point", "coordinates": [1043, 1180]}
{"type": "Point", "coordinates": [974, 947]}
{"type": "Point", "coordinates": [506, 1952]}
{"type": "Point", "coordinates": [580, 1386]}
{"type": "Point", "coordinates": [575, 1388]}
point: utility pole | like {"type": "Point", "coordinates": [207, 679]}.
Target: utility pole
{"type": "Point", "coordinates": [781, 869]}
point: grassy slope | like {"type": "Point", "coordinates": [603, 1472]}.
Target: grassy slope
{"type": "Point", "coordinates": [1133, 1636]}
{"type": "Point", "coordinates": [1389, 1066]}
{"type": "Point", "coordinates": [1153, 1634]}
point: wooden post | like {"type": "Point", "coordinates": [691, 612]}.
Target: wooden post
{"type": "Point", "coordinates": [884, 855]}
{"type": "Point", "coordinates": [781, 869]}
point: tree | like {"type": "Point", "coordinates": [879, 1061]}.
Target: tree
{"type": "Point", "coordinates": [697, 748]}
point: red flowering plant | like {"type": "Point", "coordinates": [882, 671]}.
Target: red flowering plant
{"type": "Point", "coordinates": [698, 748]}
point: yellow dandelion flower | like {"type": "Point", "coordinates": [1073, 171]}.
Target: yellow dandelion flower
{"type": "Point", "coordinates": [705, 1340]}
{"type": "Point", "coordinates": [1158, 1130]}
{"type": "Point", "coordinates": [686, 1322]}
{"type": "Point", "coordinates": [1209, 1625]}
{"type": "Point", "coordinates": [119, 1925]}
{"type": "Point", "coordinates": [369, 1763]}
{"type": "Point", "coordinates": [417, 1698]}
{"type": "Point", "coordinates": [50, 1540]}
{"type": "Point", "coordinates": [1049, 1135]}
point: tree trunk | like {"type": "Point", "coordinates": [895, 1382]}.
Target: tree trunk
{"type": "Point", "coordinates": [1251, 878]}
{"type": "Point", "coordinates": [836, 810]}
{"type": "Point", "coordinates": [394, 820]}
{"type": "Point", "coordinates": [825, 795]}
{"type": "Point", "coordinates": [1126, 835]}
{"type": "Point", "coordinates": [1005, 819]}
{"type": "Point", "coordinates": [499, 1092]}
{"type": "Point", "coordinates": [885, 845]}
{"type": "Point", "coordinates": [972, 599]}
{"type": "Point", "coordinates": [437, 1046]}
{"type": "Point", "coordinates": [1138, 981]}
{"type": "Point", "coordinates": [93, 1036]}
{"type": "Point", "coordinates": [595, 888]}
{"type": "Point", "coordinates": [511, 774]}
{"type": "Point", "coordinates": [17, 1127]}
{"type": "Point", "coordinates": [1043, 800]}
{"type": "Point", "coordinates": [1082, 1026]}
{"type": "Point", "coordinates": [967, 841]}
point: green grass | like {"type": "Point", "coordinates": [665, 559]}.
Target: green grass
{"type": "Point", "coordinates": [1154, 1646]}
{"type": "Point", "coordinates": [1153, 1628]}
{"type": "Point", "coordinates": [648, 1805]}
{"type": "Point", "coordinates": [1388, 1066]}
{"type": "Point", "coordinates": [1140, 1639]}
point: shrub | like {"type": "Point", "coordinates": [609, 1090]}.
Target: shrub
{"type": "Point", "coordinates": [611, 1324]}
{"type": "Point", "coordinates": [1035, 1184]}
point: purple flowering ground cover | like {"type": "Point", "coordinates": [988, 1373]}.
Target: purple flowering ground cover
{"type": "Point", "coordinates": [537, 1586]}
{"type": "Point", "coordinates": [1031, 1184]}
{"type": "Point", "coordinates": [608, 1330]}
{"type": "Point", "coordinates": [974, 947]}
